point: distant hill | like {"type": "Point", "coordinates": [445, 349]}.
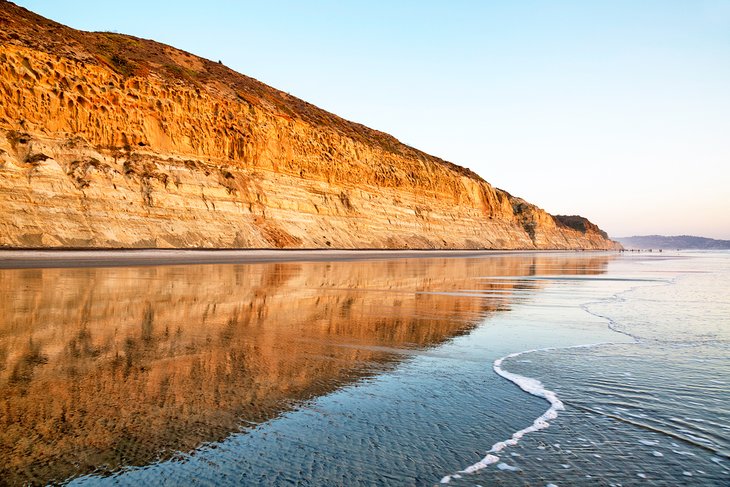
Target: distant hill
{"type": "Point", "coordinates": [674, 242]}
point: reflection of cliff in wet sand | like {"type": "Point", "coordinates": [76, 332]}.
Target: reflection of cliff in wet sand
{"type": "Point", "coordinates": [101, 368]}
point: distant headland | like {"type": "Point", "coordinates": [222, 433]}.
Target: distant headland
{"type": "Point", "coordinates": [681, 242]}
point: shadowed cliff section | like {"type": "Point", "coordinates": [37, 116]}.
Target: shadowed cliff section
{"type": "Point", "coordinates": [108, 140]}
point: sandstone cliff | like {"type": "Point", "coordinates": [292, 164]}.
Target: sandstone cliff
{"type": "Point", "coordinates": [108, 140]}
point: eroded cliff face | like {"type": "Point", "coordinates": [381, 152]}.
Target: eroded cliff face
{"type": "Point", "coordinates": [112, 141]}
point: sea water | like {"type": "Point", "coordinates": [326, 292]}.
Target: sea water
{"type": "Point", "coordinates": [527, 369]}
{"type": "Point", "coordinates": [654, 411]}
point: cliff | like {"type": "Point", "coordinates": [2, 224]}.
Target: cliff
{"type": "Point", "coordinates": [108, 140]}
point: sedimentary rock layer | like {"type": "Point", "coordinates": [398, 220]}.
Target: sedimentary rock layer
{"type": "Point", "coordinates": [108, 140]}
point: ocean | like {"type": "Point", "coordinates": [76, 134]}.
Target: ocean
{"type": "Point", "coordinates": [575, 368]}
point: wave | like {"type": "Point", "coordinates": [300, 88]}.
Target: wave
{"type": "Point", "coordinates": [535, 387]}
{"type": "Point", "coordinates": [531, 386]}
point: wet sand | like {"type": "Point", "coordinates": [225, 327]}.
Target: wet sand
{"type": "Point", "coordinates": [24, 259]}
{"type": "Point", "coordinates": [107, 368]}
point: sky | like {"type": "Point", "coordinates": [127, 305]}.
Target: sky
{"type": "Point", "coordinates": [615, 110]}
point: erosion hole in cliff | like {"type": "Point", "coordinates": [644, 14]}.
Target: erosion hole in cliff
{"type": "Point", "coordinates": [18, 138]}
{"type": "Point", "coordinates": [36, 159]}
{"type": "Point", "coordinates": [345, 200]}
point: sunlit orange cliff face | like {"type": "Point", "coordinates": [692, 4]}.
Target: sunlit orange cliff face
{"type": "Point", "coordinates": [107, 140]}
{"type": "Point", "coordinates": [93, 377]}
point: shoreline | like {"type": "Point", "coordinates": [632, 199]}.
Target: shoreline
{"type": "Point", "coordinates": [59, 258]}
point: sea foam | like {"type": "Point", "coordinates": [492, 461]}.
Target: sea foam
{"type": "Point", "coordinates": [531, 386]}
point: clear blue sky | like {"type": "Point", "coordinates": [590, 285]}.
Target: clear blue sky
{"type": "Point", "coordinates": [616, 110]}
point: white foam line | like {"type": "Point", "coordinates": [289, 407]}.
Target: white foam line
{"type": "Point", "coordinates": [535, 387]}
{"type": "Point", "coordinates": [531, 386]}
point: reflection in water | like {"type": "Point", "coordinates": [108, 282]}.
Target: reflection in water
{"type": "Point", "coordinates": [106, 367]}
